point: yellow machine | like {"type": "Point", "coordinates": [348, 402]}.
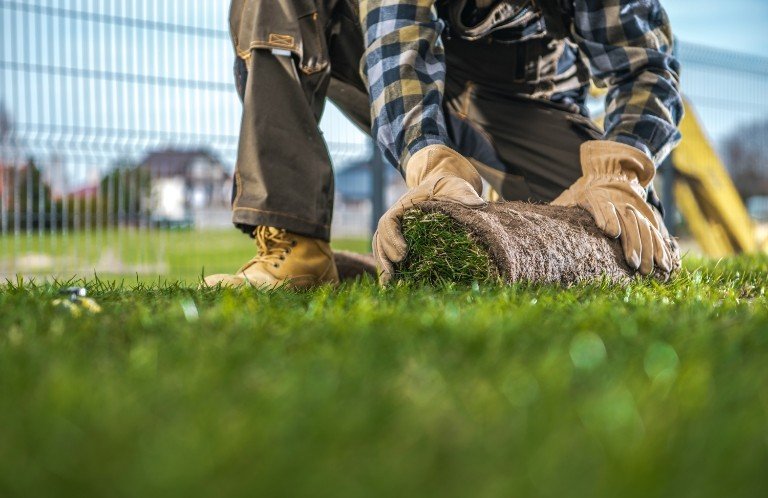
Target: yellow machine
{"type": "Point", "coordinates": [705, 194]}
{"type": "Point", "coordinates": [707, 197]}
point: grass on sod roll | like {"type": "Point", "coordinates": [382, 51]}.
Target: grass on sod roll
{"type": "Point", "coordinates": [593, 391]}
{"type": "Point", "coordinates": [440, 251]}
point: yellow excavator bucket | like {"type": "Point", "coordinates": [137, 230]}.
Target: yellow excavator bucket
{"type": "Point", "coordinates": [706, 195]}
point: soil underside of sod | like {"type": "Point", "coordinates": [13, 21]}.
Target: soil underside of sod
{"type": "Point", "coordinates": [596, 390]}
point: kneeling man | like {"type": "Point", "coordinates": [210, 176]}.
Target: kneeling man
{"type": "Point", "coordinates": [452, 91]}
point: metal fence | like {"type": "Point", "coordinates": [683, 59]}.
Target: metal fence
{"type": "Point", "coordinates": [119, 125]}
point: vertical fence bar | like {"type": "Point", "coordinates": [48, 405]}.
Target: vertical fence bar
{"type": "Point", "coordinates": [667, 171]}
{"type": "Point", "coordinates": [377, 186]}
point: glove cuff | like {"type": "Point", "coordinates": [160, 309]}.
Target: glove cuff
{"type": "Point", "coordinates": [607, 158]}
{"type": "Point", "coordinates": [440, 160]}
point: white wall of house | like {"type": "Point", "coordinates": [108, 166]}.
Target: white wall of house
{"type": "Point", "coordinates": [168, 196]}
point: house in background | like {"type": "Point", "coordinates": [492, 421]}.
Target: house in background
{"type": "Point", "coordinates": [21, 185]}
{"type": "Point", "coordinates": [188, 188]}
{"type": "Point", "coordinates": [88, 191]}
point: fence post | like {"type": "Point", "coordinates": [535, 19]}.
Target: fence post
{"type": "Point", "coordinates": [667, 170]}
{"type": "Point", "coordinates": [377, 186]}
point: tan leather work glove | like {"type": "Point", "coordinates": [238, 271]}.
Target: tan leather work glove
{"type": "Point", "coordinates": [436, 173]}
{"type": "Point", "coordinates": [612, 190]}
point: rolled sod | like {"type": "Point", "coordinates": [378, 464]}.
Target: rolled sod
{"type": "Point", "coordinates": [352, 266]}
{"type": "Point", "coordinates": [511, 242]}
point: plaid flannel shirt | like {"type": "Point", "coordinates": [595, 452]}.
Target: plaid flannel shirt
{"type": "Point", "coordinates": [628, 44]}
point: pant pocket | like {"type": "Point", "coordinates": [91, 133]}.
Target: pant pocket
{"type": "Point", "coordinates": [291, 25]}
{"type": "Point", "coordinates": [314, 46]}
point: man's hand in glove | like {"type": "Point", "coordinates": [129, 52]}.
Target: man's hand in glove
{"type": "Point", "coordinates": [612, 190]}
{"type": "Point", "coordinates": [436, 173]}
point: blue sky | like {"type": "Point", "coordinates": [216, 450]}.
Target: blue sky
{"type": "Point", "coordinates": [740, 25]}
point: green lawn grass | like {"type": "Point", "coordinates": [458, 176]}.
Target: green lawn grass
{"type": "Point", "coordinates": [597, 391]}
{"type": "Point", "coordinates": [131, 254]}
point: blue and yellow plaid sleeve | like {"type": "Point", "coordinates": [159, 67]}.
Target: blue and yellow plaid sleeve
{"type": "Point", "coordinates": [405, 72]}
{"type": "Point", "coordinates": [629, 47]}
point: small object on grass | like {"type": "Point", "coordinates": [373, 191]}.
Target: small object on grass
{"type": "Point", "coordinates": [74, 293]}
{"type": "Point", "coordinates": [189, 308]}
{"type": "Point", "coordinates": [76, 301]}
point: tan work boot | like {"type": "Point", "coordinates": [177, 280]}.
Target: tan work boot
{"type": "Point", "coordinates": [284, 258]}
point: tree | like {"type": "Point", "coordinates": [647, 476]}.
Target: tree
{"type": "Point", "coordinates": [123, 194]}
{"type": "Point", "coordinates": [29, 199]}
{"type": "Point", "coordinates": [745, 152]}
{"type": "Point", "coordinates": [6, 126]}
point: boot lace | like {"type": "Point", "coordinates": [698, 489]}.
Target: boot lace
{"type": "Point", "coordinates": [273, 246]}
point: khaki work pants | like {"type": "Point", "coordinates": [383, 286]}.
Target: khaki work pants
{"type": "Point", "coordinates": [293, 54]}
